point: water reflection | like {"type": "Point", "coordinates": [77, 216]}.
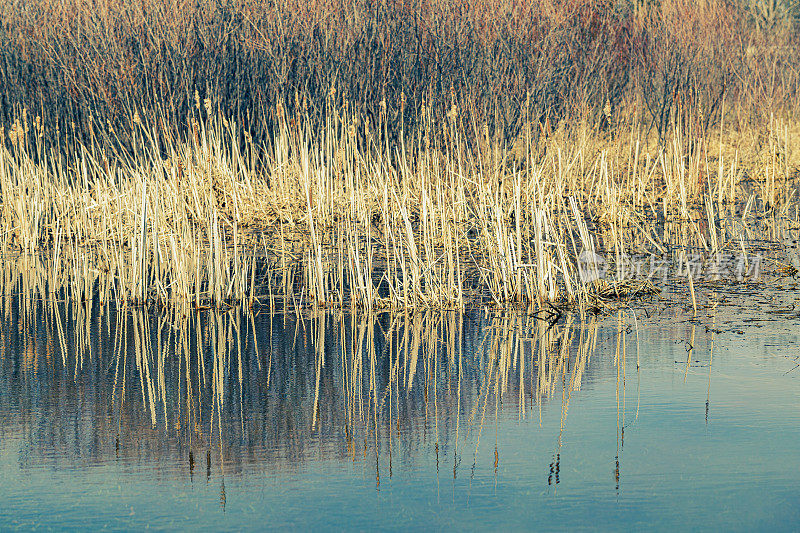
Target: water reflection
{"type": "Point", "coordinates": [237, 390]}
{"type": "Point", "coordinates": [445, 417]}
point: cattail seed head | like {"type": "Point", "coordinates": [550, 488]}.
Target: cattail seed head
{"type": "Point", "coordinates": [453, 113]}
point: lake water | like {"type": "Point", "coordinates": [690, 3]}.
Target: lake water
{"type": "Point", "coordinates": [428, 420]}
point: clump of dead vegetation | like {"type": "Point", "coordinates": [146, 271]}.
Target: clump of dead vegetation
{"type": "Point", "coordinates": [389, 154]}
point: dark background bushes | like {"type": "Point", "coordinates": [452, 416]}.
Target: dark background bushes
{"type": "Point", "coordinates": [86, 66]}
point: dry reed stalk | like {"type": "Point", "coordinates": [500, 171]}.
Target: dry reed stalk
{"type": "Point", "coordinates": [415, 222]}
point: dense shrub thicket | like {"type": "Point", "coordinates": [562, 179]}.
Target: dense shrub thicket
{"type": "Point", "coordinates": [87, 67]}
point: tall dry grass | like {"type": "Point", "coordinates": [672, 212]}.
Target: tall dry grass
{"type": "Point", "coordinates": [382, 154]}
{"type": "Point", "coordinates": [332, 220]}
{"type": "Point", "coordinates": [86, 67]}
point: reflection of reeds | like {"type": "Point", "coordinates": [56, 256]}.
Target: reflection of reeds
{"type": "Point", "coordinates": [250, 389]}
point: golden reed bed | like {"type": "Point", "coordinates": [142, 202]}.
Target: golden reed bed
{"type": "Point", "coordinates": [353, 155]}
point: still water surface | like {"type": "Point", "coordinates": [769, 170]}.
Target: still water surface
{"type": "Point", "coordinates": [429, 420]}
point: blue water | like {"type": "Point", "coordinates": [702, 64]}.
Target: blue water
{"type": "Point", "coordinates": [397, 422]}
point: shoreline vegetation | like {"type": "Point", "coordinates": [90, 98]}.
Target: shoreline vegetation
{"type": "Point", "coordinates": [387, 154]}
